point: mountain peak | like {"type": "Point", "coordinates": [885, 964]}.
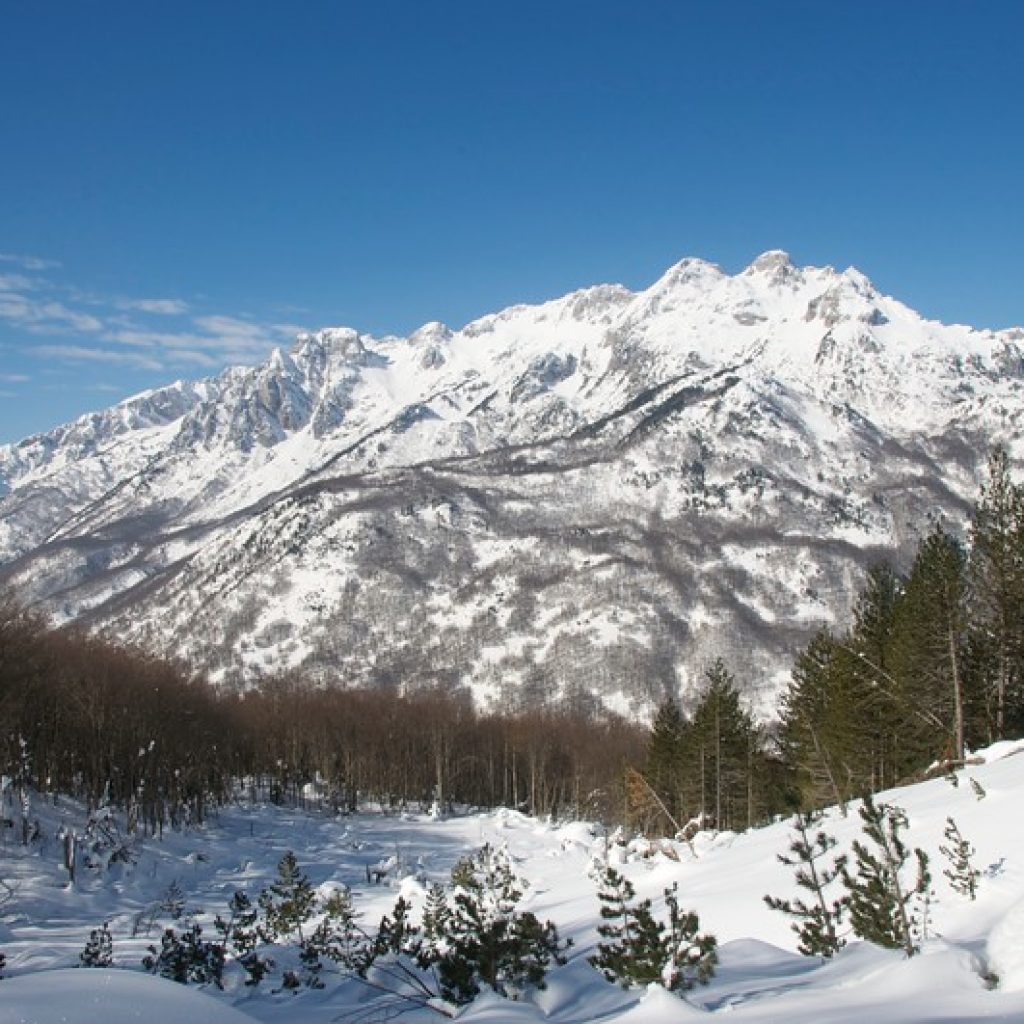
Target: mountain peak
{"type": "Point", "coordinates": [775, 264]}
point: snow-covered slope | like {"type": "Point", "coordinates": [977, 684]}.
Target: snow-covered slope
{"type": "Point", "coordinates": [605, 490]}
{"type": "Point", "coordinates": [723, 877]}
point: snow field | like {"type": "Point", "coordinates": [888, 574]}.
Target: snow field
{"type": "Point", "coordinates": [723, 877]}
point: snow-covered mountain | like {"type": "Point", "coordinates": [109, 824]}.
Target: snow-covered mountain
{"type": "Point", "coordinates": [590, 497]}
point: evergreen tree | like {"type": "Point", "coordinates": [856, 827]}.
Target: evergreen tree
{"type": "Point", "coordinates": [996, 574]}
{"type": "Point", "coordinates": [288, 902]}
{"type": "Point", "coordinates": [882, 909]}
{"type": "Point", "coordinates": [817, 921]}
{"type": "Point", "coordinates": [240, 934]}
{"type": "Point", "coordinates": [99, 949]}
{"type": "Point", "coordinates": [473, 936]}
{"type": "Point", "coordinates": [963, 877]}
{"type": "Point", "coordinates": [664, 769]}
{"type": "Point", "coordinates": [641, 950]}
{"type": "Point", "coordinates": [819, 715]}
{"type": "Point", "coordinates": [187, 958]}
{"type": "Point", "coordinates": [724, 754]}
{"type": "Point", "coordinates": [487, 939]}
{"type": "Point", "coordinates": [929, 638]}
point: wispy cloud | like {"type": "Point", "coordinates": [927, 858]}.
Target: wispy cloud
{"type": "Point", "coordinates": [85, 354]}
{"type": "Point", "coordinates": [28, 262]}
{"type": "Point", "coordinates": [45, 316]}
{"type": "Point", "coordinates": [14, 378]}
{"type": "Point", "coordinates": [159, 307]}
{"type": "Point", "coordinates": [155, 334]}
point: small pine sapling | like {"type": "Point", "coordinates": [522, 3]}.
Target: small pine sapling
{"type": "Point", "coordinates": [489, 941]}
{"type": "Point", "coordinates": [881, 909]}
{"type": "Point", "coordinates": [818, 919]}
{"type": "Point", "coordinates": [963, 877]}
{"type": "Point", "coordinates": [288, 902]}
{"type": "Point", "coordinates": [642, 950]}
{"type": "Point", "coordinates": [172, 903]}
{"type": "Point", "coordinates": [691, 956]}
{"type": "Point", "coordinates": [336, 937]}
{"type": "Point", "coordinates": [241, 935]}
{"type": "Point", "coordinates": [187, 958]}
{"type": "Point", "coordinates": [99, 949]}
{"type": "Point", "coordinates": [977, 788]}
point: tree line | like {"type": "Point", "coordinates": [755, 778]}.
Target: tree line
{"type": "Point", "coordinates": [82, 716]}
{"type": "Point", "coordinates": [931, 666]}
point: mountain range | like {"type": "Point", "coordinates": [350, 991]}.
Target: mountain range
{"type": "Point", "coordinates": [585, 500]}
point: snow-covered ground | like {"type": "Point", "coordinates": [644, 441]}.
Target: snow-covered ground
{"type": "Point", "coordinates": [760, 978]}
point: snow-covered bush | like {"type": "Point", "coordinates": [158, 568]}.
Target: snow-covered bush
{"type": "Point", "coordinates": [99, 949]}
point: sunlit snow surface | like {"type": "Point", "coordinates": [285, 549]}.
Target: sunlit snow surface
{"type": "Point", "coordinates": [724, 877]}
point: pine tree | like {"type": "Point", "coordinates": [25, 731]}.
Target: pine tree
{"type": "Point", "coordinates": [288, 902]}
{"type": "Point", "coordinates": [664, 769]}
{"type": "Point", "coordinates": [640, 950]}
{"type": "Point", "coordinates": [489, 941]}
{"type": "Point", "coordinates": [962, 875]}
{"type": "Point", "coordinates": [241, 934]}
{"type": "Point", "coordinates": [881, 909]}
{"type": "Point", "coordinates": [99, 950]}
{"type": "Point", "coordinates": [996, 571]}
{"type": "Point", "coordinates": [723, 754]}
{"type": "Point", "coordinates": [335, 937]}
{"type": "Point", "coordinates": [817, 921]}
{"type": "Point", "coordinates": [187, 957]}
{"type": "Point", "coordinates": [929, 638]}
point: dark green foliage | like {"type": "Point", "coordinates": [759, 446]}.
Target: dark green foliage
{"type": "Point", "coordinates": [187, 958]}
{"type": "Point", "coordinates": [288, 902]}
{"type": "Point", "coordinates": [930, 634]}
{"type": "Point", "coordinates": [996, 577]}
{"type": "Point", "coordinates": [335, 938]}
{"type": "Point", "coordinates": [487, 940]}
{"type": "Point", "coordinates": [241, 936]}
{"type": "Point", "coordinates": [665, 767]}
{"type": "Point", "coordinates": [99, 949]}
{"type": "Point", "coordinates": [817, 920]}
{"type": "Point", "coordinates": [882, 909]}
{"type": "Point", "coordinates": [3, 964]}
{"type": "Point", "coordinates": [712, 766]}
{"type": "Point", "coordinates": [473, 937]}
{"type": "Point", "coordinates": [963, 877]}
{"type": "Point", "coordinates": [641, 950]}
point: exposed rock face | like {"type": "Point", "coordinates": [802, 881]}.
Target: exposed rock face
{"type": "Point", "coordinates": [592, 497]}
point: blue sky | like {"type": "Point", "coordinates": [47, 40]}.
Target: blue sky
{"type": "Point", "coordinates": [183, 185]}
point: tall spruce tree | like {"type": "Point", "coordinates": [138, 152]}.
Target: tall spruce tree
{"type": "Point", "coordinates": [664, 767]}
{"type": "Point", "coordinates": [996, 575]}
{"type": "Point", "coordinates": [929, 637]}
{"type": "Point", "coordinates": [723, 753]}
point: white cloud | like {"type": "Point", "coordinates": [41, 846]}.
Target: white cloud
{"type": "Point", "coordinates": [16, 283]}
{"type": "Point", "coordinates": [14, 378]}
{"type": "Point", "coordinates": [28, 262]}
{"type": "Point", "coordinates": [159, 307]}
{"type": "Point", "coordinates": [82, 353]}
{"type": "Point", "coordinates": [119, 331]}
